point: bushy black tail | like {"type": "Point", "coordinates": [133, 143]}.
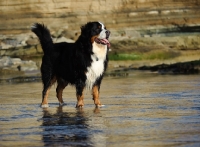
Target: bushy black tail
{"type": "Point", "coordinates": [47, 64]}
{"type": "Point", "coordinates": [44, 36]}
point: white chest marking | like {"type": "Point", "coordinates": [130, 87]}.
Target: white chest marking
{"type": "Point", "coordinates": [97, 66]}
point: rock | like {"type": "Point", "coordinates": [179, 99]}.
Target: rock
{"type": "Point", "coordinates": [191, 67]}
{"type": "Point", "coordinates": [63, 39]}
{"type": "Point", "coordinates": [132, 14]}
{"type": "Point", "coordinates": [59, 33]}
{"type": "Point", "coordinates": [5, 61]}
{"type": "Point", "coordinates": [28, 66]}
{"type": "Point", "coordinates": [16, 64]}
{"type": "Point", "coordinates": [13, 41]}
{"type": "Point", "coordinates": [32, 41]}
{"type": "Point", "coordinates": [64, 32]}
{"type": "Point", "coordinates": [132, 34]}
{"type": "Point", "coordinates": [146, 36]}
{"type": "Point", "coordinates": [16, 61]}
{"type": "Point", "coordinates": [6, 74]}
{"type": "Point", "coordinates": [31, 51]}
{"type": "Point", "coordinates": [5, 46]}
{"type": "Point", "coordinates": [22, 38]}
{"type": "Point", "coordinates": [39, 49]}
{"type": "Point", "coordinates": [152, 13]}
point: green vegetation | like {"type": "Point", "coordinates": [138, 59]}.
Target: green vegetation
{"type": "Point", "coordinates": [124, 56]}
{"type": "Point", "coordinates": [145, 49]}
{"type": "Point", "coordinates": [161, 55]}
{"type": "Point", "coordinates": [143, 56]}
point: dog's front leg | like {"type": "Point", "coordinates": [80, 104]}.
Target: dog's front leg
{"type": "Point", "coordinates": [95, 94]}
{"type": "Point", "coordinates": [79, 94]}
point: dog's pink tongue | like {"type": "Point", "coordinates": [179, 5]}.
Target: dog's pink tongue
{"type": "Point", "coordinates": [105, 41]}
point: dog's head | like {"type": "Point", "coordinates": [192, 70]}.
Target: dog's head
{"type": "Point", "coordinates": [96, 32]}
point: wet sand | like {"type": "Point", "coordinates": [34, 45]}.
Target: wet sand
{"type": "Point", "coordinates": [142, 109]}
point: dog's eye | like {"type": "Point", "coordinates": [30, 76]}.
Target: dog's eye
{"type": "Point", "coordinates": [98, 29]}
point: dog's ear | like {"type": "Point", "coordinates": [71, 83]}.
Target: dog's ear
{"type": "Point", "coordinates": [86, 29]}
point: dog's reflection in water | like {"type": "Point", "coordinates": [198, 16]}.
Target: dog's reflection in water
{"type": "Point", "coordinates": [66, 128]}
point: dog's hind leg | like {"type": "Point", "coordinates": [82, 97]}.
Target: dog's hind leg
{"type": "Point", "coordinates": [59, 90]}
{"type": "Point", "coordinates": [45, 92]}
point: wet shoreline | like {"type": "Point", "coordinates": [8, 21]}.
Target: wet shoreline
{"type": "Point", "coordinates": [140, 110]}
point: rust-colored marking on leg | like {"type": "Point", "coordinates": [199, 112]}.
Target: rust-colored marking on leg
{"type": "Point", "coordinates": [45, 101]}
{"type": "Point", "coordinates": [80, 101]}
{"type": "Point", "coordinates": [59, 91]}
{"type": "Point", "coordinates": [45, 98]}
{"type": "Point", "coordinates": [95, 93]}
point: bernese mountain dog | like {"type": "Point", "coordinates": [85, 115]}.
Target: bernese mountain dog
{"type": "Point", "coordinates": [81, 64]}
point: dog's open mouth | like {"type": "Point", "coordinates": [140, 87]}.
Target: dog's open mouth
{"type": "Point", "coordinates": [102, 41]}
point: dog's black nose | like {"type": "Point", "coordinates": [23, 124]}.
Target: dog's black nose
{"type": "Point", "coordinates": [107, 33]}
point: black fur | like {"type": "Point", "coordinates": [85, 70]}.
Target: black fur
{"type": "Point", "coordinates": [67, 62]}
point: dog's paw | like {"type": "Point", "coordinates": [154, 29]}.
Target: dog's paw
{"type": "Point", "coordinates": [79, 106]}
{"type": "Point", "coordinates": [62, 104]}
{"type": "Point", "coordinates": [99, 106]}
{"type": "Point", "coordinates": [45, 105]}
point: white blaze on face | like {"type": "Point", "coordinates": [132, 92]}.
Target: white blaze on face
{"type": "Point", "coordinates": [102, 34]}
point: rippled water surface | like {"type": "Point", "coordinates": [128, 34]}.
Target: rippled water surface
{"type": "Point", "coordinates": [140, 110]}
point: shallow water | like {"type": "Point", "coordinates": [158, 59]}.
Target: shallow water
{"type": "Point", "coordinates": [142, 109]}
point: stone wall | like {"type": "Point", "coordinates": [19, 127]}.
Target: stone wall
{"type": "Point", "coordinates": [18, 15]}
{"type": "Point", "coordinates": [136, 26]}
{"type": "Point", "coordinates": [127, 20]}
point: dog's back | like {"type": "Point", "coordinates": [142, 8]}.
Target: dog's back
{"type": "Point", "coordinates": [65, 61]}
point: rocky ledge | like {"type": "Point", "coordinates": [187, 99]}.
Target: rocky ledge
{"type": "Point", "coordinates": [27, 44]}
{"type": "Point", "coordinates": [174, 51]}
{"type": "Point", "coordinates": [15, 68]}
